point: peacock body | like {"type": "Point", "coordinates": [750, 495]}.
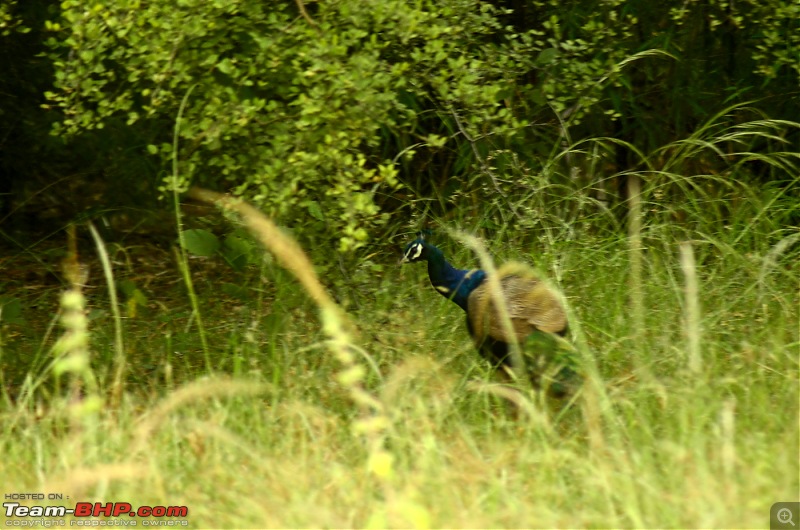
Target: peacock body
{"type": "Point", "coordinates": [536, 315]}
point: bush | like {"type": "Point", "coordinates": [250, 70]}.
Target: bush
{"type": "Point", "coordinates": [321, 113]}
{"type": "Point", "coordinates": [291, 111]}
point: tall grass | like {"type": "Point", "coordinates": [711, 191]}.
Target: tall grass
{"type": "Point", "coordinates": [691, 421]}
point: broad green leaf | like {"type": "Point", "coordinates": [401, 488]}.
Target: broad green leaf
{"type": "Point", "coordinates": [200, 242]}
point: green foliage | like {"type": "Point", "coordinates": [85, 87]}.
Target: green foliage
{"type": "Point", "coordinates": [8, 21]}
{"type": "Point", "coordinates": [201, 242]}
{"type": "Point", "coordinates": [650, 73]}
{"type": "Point", "coordinates": [287, 111]}
{"type": "Point", "coordinates": [767, 31]}
{"type": "Point", "coordinates": [237, 248]}
{"type": "Point", "coordinates": [525, 125]}
{"type": "Point", "coordinates": [321, 116]}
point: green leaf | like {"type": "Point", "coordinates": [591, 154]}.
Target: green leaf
{"type": "Point", "coordinates": [200, 242]}
{"type": "Point", "coordinates": [315, 210]}
{"type": "Point", "coordinates": [547, 56]}
{"type": "Point", "coordinates": [225, 66]}
{"type": "Point", "coordinates": [238, 250]}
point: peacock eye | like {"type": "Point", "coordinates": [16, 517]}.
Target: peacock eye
{"type": "Point", "coordinates": [414, 251]}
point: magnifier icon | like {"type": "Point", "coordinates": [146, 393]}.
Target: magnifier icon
{"type": "Point", "coordinates": [785, 516]}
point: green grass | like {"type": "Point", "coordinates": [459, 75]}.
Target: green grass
{"type": "Point", "coordinates": [291, 413]}
{"type": "Point", "coordinates": [650, 443]}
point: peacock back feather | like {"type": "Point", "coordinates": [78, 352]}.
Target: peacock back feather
{"type": "Point", "coordinates": [530, 304]}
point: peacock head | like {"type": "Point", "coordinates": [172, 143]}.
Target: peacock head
{"type": "Point", "coordinates": [417, 250]}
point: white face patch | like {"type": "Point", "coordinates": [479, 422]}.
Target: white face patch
{"type": "Point", "coordinates": [414, 251]}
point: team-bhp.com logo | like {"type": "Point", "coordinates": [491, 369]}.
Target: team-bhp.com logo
{"type": "Point", "coordinates": [162, 514]}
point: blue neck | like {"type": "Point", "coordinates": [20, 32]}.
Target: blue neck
{"type": "Point", "coordinates": [452, 283]}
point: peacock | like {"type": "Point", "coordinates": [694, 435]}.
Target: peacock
{"type": "Point", "coordinates": [537, 316]}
